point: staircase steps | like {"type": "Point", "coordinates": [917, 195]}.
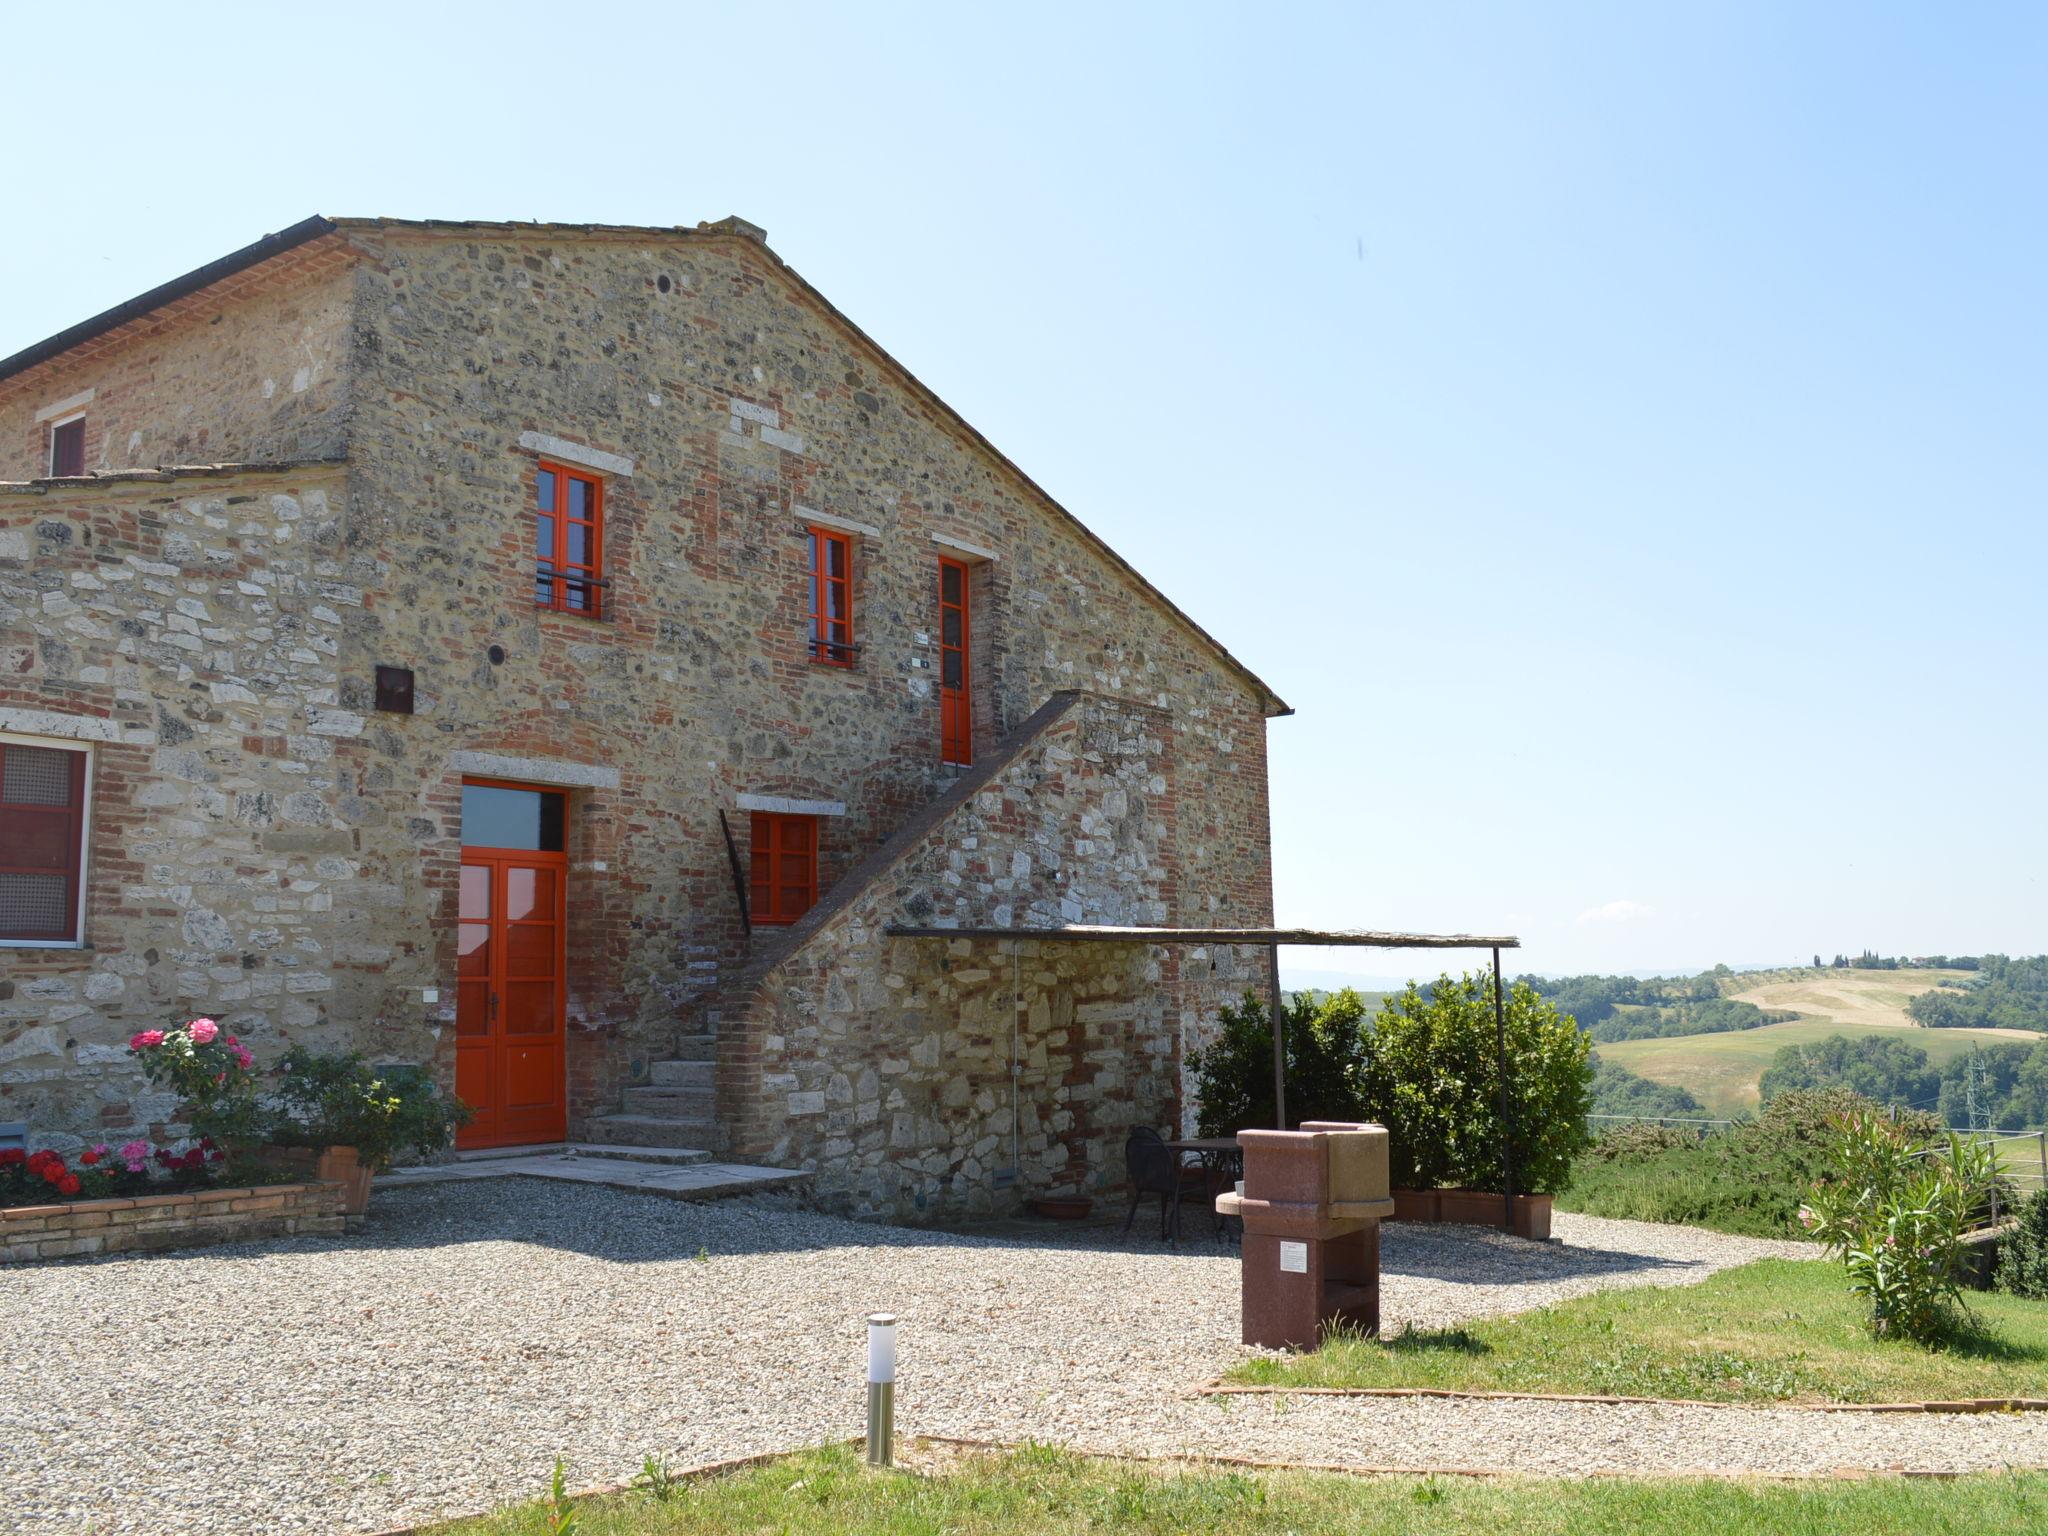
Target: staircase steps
{"type": "Point", "coordinates": [661, 1131]}
{"type": "Point", "coordinates": [698, 1075]}
{"type": "Point", "coordinates": [677, 1103]}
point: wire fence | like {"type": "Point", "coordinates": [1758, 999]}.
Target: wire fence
{"type": "Point", "coordinates": [2022, 1155]}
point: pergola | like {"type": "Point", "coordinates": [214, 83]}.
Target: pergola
{"type": "Point", "coordinates": [1271, 940]}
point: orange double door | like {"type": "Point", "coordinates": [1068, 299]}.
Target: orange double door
{"type": "Point", "coordinates": [511, 1062]}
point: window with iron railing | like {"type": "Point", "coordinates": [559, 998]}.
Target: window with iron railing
{"type": "Point", "coordinates": [832, 598]}
{"type": "Point", "coordinates": [568, 573]}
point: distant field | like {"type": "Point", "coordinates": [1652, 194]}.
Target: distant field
{"type": "Point", "coordinates": [1877, 998]}
{"type": "Point", "coordinates": [1722, 1071]}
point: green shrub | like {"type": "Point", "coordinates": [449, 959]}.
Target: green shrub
{"type": "Point", "coordinates": [1896, 1208]}
{"type": "Point", "coordinates": [341, 1101]}
{"type": "Point", "coordinates": [1234, 1076]}
{"type": "Point", "coordinates": [1749, 1178]}
{"type": "Point", "coordinates": [1429, 1071]}
{"type": "Point", "coordinates": [2023, 1253]}
{"type": "Point", "coordinates": [1637, 1140]}
{"type": "Point", "coordinates": [1425, 1067]}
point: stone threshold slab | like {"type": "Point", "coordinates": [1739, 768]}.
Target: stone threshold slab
{"type": "Point", "coordinates": [585, 1149]}
{"type": "Point", "coordinates": [690, 1181]}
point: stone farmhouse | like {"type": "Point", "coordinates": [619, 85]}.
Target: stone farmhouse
{"type": "Point", "coordinates": [558, 655]}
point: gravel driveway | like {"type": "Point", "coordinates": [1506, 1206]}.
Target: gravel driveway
{"type": "Point", "coordinates": [440, 1362]}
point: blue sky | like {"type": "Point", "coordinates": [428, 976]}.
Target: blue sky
{"type": "Point", "coordinates": [1618, 430]}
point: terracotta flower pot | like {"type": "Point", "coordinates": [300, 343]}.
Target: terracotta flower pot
{"type": "Point", "coordinates": [1475, 1208]}
{"type": "Point", "coordinates": [343, 1167]}
{"type": "Point", "coordinates": [1470, 1207]}
{"type": "Point", "coordinates": [1063, 1207]}
{"type": "Point", "coordinates": [1415, 1205]}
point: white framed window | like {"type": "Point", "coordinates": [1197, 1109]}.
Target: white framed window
{"type": "Point", "coordinates": [67, 446]}
{"type": "Point", "coordinates": [45, 811]}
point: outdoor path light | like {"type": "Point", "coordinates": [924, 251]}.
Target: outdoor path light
{"type": "Point", "coordinates": [881, 1389]}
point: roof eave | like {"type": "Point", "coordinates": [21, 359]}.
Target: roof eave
{"type": "Point", "coordinates": [1272, 706]}
{"type": "Point", "coordinates": [166, 293]}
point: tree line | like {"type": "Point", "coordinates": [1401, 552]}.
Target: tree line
{"type": "Point", "coordinates": [2005, 994]}
{"type": "Point", "coordinates": [1871, 960]}
{"type": "Point", "coordinates": [1994, 1087]}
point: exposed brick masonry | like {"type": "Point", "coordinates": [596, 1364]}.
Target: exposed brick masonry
{"type": "Point", "coordinates": [151, 1222]}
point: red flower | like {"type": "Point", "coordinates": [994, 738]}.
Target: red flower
{"type": "Point", "coordinates": [68, 1184]}
{"type": "Point", "coordinates": [55, 1174]}
{"type": "Point", "coordinates": [88, 1158]}
{"type": "Point", "coordinates": [10, 1156]}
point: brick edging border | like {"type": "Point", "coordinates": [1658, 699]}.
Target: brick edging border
{"type": "Point", "coordinates": [178, 1219]}
{"type": "Point", "coordinates": [606, 1490]}
{"type": "Point", "coordinates": [1369, 1469]}
{"type": "Point", "coordinates": [1254, 1463]}
{"type": "Point", "coordinates": [1217, 1387]}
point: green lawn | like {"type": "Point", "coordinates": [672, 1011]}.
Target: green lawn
{"type": "Point", "coordinates": [1035, 1490]}
{"type": "Point", "coordinates": [1776, 1331]}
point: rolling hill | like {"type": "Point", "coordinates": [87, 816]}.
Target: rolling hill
{"type": "Point", "coordinates": [1722, 1070]}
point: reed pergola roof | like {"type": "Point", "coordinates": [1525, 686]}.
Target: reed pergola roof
{"type": "Point", "coordinates": [1271, 940]}
{"type": "Point", "coordinates": [1265, 938]}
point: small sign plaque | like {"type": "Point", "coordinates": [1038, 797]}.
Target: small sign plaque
{"type": "Point", "coordinates": [1294, 1258]}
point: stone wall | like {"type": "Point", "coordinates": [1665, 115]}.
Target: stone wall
{"type": "Point", "coordinates": [743, 406]}
{"type": "Point", "coordinates": [186, 629]}
{"type": "Point", "coordinates": [153, 1223]}
{"type": "Point", "coordinates": [261, 376]}
{"type": "Point", "coordinates": [906, 1072]}
{"type": "Point", "coordinates": [274, 852]}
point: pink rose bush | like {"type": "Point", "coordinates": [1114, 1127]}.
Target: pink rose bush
{"type": "Point", "coordinates": [213, 1073]}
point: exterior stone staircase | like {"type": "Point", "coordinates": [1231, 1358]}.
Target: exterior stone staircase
{"type": "Point", "coordinates": [676, 1107]}
{"type": "Point", "coordinates": [678, 1104]}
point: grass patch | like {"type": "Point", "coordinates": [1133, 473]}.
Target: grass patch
{"type": "Point", "coordinates": [1777, 1331]}
{"type": "Point", "coordinates": [1034, 1490]}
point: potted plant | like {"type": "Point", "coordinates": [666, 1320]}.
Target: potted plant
{"type": "Point", "coordinates": [1430, 1071]}
{"type": "Point", "coordinates": [344, 1120]}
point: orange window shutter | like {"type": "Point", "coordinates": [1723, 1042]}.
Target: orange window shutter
{"type": "Point", "coordinates": [782, 867]}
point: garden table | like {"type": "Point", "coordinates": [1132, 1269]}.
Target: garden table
{"type": "Point", "coordinates": [1222, 1161]}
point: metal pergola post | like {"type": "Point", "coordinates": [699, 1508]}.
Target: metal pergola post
{"type": "Point", "coordinates": [1507, 1135]}
{"type": "Point", "coordinates": [1279, 1038]}
{"type": "Point", "coordinates": [1271, 940]}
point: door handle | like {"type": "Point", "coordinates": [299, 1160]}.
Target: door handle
{"type": "Point", "coordinates": [494, 1003]}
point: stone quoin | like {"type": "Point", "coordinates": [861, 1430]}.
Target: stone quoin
{"type": "Point", "coordinates": [454, 623]}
